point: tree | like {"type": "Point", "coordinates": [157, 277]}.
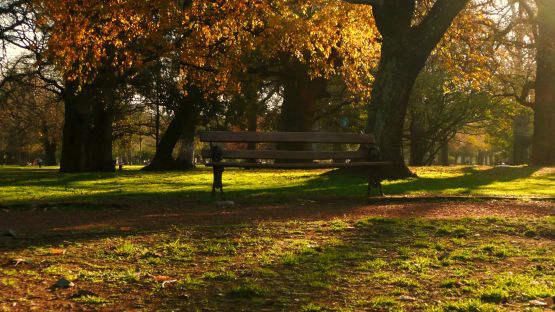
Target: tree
{"type": "Point", "coordinates": [454, 91]}
{"type": "Point", "coordinates": [97, 46]}
{"type": "Point", "coordinates": [529, 40]}
{"type": "Point", "coordinates": [305, 43]}
{"type": "Point", "coordinates": [12, 16]}
{"type": "Point", "coordinates": [409, 34]}
{"type": "Point", "coordinates": [31, 115]}
{"type": "Point", "coordinates": [184, 118]}
{"type": "Point", "coordinates": [89, 117]}
{"type": "Point", "coordinates": [543, 142]}
{"type": "Point", "coordinates": [439, 109]}
{"type": "Point", "coordinates": [300, 97]}
{"type": "Point", "coordinates": [515, 54]}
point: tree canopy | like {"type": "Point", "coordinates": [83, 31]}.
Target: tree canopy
{"type": "Point", "coordinates": [324, 63]}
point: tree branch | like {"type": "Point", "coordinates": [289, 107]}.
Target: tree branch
{"type": "Point", "coordinates": [432, 28]}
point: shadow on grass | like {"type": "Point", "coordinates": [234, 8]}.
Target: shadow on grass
{"type": "Point", "coordinates": [337, 183]}
{"type": "Point", "coordinates": [472, 180]}
{"type": "Point", "coordinates": [305, 274]}
{"type": "Point", "coordinates": [376, 257]}
{"type": "Point", "coordinates": [46, 177]}
{"type": "Point", "coordinates": [195, 185]}
{"type": "Point", "coordinates": [379, 256]}
{"type": "Point", "coordinates": [319, 274]}
{"type": "Point", "coordinates": [239, 291]}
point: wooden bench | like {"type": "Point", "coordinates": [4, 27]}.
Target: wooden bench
{"type": "Point", "coordinates": [367, 156]}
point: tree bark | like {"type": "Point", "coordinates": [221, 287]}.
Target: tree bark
{"type": "Point", "coordinates": [87, 132]}
{"type": "Point", "coordinates": [300, 96]}
{"type": "Point", "coordinates": [49, 146]}
{"type": "Point", "coordinates": [252, 117]}
{"type": "Point", "coordinates": [186, 157]}
{"type": "Point", "coordinates": [444, 154]}
{"type": "Point", "coordinates": [49, 152]}
{"type": "Point", "coordinates": [543, 141]}
{"type": "Point", "coordinates": [184, 115]}
{"type": "Point", "coordinates": [396, 75]}
{"type": "Point", "coordinates": [521, 139]}
{"type": "Point", "coordinates": [405, 49]}
{"type": "Point", "coordinates": [418, 146]}
{"type": "Point", "coordinates": [252, 110]}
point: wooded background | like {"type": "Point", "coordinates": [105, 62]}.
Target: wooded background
{"type": "Point", "coordinates": [437, 82]}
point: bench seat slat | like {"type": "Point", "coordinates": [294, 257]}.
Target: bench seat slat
{"type": "Point", "coordinates": [278, 154]}
{"type": "Point", "coordinates": [281, 137]}
{"type": "Point", "coordinates": [298, 165]}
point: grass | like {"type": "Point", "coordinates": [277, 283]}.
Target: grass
{"type": "Point", "coordinates": [368, 264]}
{"type": "Point", "coordinates": [348, 263]}
{"type": "Point", "coordinates": [91, 300]}
{"type": "Point", "coordinates": [21, 185]}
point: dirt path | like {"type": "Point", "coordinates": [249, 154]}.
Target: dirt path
{"type": "Point", "coordinates": [45, 222]}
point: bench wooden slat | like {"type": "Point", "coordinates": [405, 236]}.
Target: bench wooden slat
{"type": "Point", "coordinates": [275, 154]}
{"type": "Point", "coordinates": [298, 165]}
{"type": "Point", "coordinates": [281, 137]}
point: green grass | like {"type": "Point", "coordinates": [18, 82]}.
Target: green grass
{"type": "Point", "coordinates": [91, 300]}
{"type": "Point", "coordinates": [344, 264]}
{"type": "Point", "coordinates": [31, 185]}
{"type": "Point", "coordinates": [368, 264]}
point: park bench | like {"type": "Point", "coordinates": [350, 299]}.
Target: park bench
{"type": "Point", "coordinates": [366, 157]}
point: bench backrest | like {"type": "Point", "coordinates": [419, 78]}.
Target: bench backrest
{"type": "Point", "coordinates": [288, 137]}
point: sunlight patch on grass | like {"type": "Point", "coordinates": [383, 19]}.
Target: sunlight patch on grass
{"type": "Point", "coordinates": [24, 185]}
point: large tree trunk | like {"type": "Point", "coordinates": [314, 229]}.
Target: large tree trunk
{"type": "Point", "coordinates": [252, 110]}
{"type": "Point", "coordinates": [49, 147]}
{"type": "Point", "coordinates": [418, 146]}
{"type": "Point", "coordinates": [300, 98]}
{"type": "Point", "coordinates": [186, 157]}
{"type": "Point", "coordinates": [543, 142]}
{"type": "Point", "coordinates": [87, 132]}
{"type": "Point", "coordinates": [49, 152]}
{"type": "Point", "coordinates": [521, 139]}
{"type": "Point", "coordinates": [252, 115]}
{"type": "Point", "coordinates": [252, 125]}
{"type": "Point", "coordinates": [76, 134]}
{"type": "Point", "coordinates": [184, 115]}
{"type": "Point", "coordinates": [404, 52]}
{"type": "Point", "coordinates": [396, 76]}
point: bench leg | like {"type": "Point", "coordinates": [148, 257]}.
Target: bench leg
{"type": "Point", "coordinates": [377, 185]}
{"type": "Point", "coordinates": [374, 181]}
{"type": "Point", "coordinates": [370, 181]}
{"type": "Point", "coordinates": [217, 183]}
